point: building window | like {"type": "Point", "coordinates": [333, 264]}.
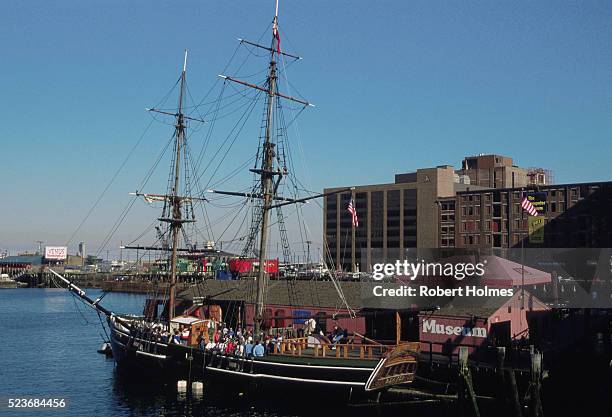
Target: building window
{"type": "Point", "coordinates": [497, 241]}
{"type": "Point", "coordinates": [496, 226]}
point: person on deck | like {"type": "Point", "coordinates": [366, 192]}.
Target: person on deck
{"type": "Point", "coordinates": [176, 338]}
{"type": "Point", "coordinates": [230, 347]}
{"type": "Point", "coordinates": [201, 341]}
{"type": "Point", "coordinates": [185, 335]}
{"type": "Point", "coordinates": [221, 345]}
{"type": "Point", "coordinates": [272, 344]}
{"type": "Point", "coordinates": [259, 350]}
{"type": "Point", "coordinates": [165, 336]}
{"type": "Point", "coordinates": [338, 335]}
{"type": "Point", "coordinates": [248, 348]}
{"type": "Point", "coordinates": [240, 346]}
{"type": "Point", "coordinates": [309, 326]}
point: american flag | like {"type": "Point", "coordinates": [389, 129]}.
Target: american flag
{"type": "Point", "coordinates": [528, 207]}
{"type": "Point", "coordinates": [351, 209]}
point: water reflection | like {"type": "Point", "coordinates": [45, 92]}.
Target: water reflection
{"type": "Point", "coordinates": [162, 398]}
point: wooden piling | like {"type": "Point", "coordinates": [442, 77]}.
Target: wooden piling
{"type": "Point", "coordinates": [501, 378]}
{"type": "Point", "coordinates": [466, 397]}
{"type": "Point", "coordinates": [507, 389]}
{"type": "Point", "coordinates": [514, 395]}
{"type": "Point", "coordinates": [535, 389]}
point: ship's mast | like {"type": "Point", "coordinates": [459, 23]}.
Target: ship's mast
{"type": "Point", "coordinates": [266, 171]}
{"type": "Point", "coordinates": [266, 174]}
{"type": "Point", "coordinates": [175, 200]}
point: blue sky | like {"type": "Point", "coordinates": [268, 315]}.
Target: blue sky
{"type": "Point", "coordinates": [397, 85]}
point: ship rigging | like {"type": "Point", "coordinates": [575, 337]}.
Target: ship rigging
{"type": "Point", "coordinates": [151, 344]}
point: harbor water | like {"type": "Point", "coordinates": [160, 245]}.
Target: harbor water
{"type": "Point", "coordinates": [49, 350]}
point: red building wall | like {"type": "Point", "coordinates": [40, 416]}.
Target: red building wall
{"type": "Point", "coordinates": [276, 313]}
{"type": "Point", "coordinates": [443, 333]}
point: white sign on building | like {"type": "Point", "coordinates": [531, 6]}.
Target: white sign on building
{"type": "Point", "coordinates": [430, 326]}
{"type": "Point", "coordinates": [56, 252]}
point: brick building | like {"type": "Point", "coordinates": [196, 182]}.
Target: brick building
{"type": "Point", "coordinates": [497, 171]}
{"type": "Point", "coordinates": [475, 206]}
{"type": "Point", "coordinates": [574, 215]}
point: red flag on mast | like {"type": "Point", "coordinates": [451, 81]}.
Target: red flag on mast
{"type": "Point", "coordinates": [277, 39]}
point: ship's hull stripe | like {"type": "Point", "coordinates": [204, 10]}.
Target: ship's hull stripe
{"type": "Point", "coordinates": [140, 352]}
{"type": "Point", "coordinates": [264, 362]}
{"type": "Point", "coordinates": [286, 378]}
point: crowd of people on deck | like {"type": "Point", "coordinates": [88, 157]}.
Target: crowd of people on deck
{"type": "Point", "coordinates": [227, 341]}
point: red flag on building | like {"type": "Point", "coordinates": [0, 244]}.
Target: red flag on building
{"type": "Point", "coordinates": [351, 209]}
{"type": "Point", "coordinates": [528, 207]}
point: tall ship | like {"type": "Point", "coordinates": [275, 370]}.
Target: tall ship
{"type": "Point", "coordinates": [246, 343]}
{"type": "Point", "coordinates": [256, 333]}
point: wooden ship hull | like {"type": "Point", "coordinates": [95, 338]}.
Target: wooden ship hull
{"type": "Point", "coordinates": [295, 366]}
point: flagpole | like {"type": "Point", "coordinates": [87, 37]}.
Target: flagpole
{"type": "Point", "coordinates": [523, 254]}
{"type": "Point", "coordinates": [353, 246]}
